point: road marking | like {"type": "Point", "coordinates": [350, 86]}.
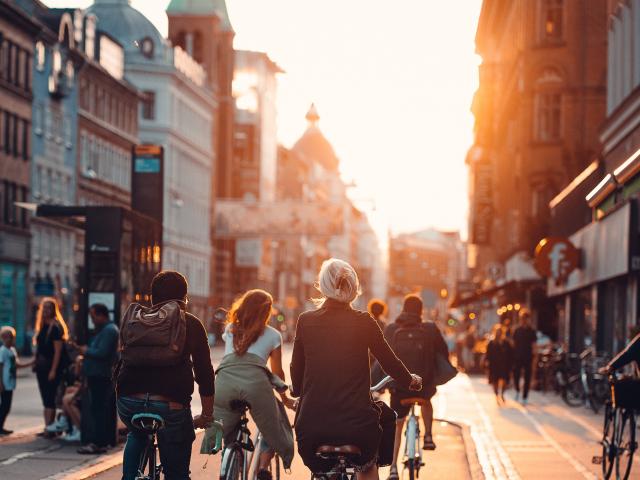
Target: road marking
{"type": "Point", "coordinates": [579, 467]}
{"type": "Point", "coordinates": [23, 455]}
{"type": "Point", "coordinates": [89, 469]}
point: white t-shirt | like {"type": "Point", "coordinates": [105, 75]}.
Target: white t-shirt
{"type": "Point", "coordinates": [263, 346]}
{"type": "Point", "coordinates": [8, 360]}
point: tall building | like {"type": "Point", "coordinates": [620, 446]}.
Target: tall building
{"type": "Point", "coordinates": [17, 39]}
{"type": "Point", "coordinates": [177, 113]}
{"type": "Point", "coordinates": [538, 108]}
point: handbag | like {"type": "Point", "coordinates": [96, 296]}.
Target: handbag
{"type": "Point", "coordinates": [444, 370]}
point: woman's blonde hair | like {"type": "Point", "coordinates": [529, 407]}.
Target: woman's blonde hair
{"type": "Point", "coordinates": [57, 317]}
{"type": "Point", "coordinates": [337, 280]}
{"type": "Point", "coordinates": [248, 318]}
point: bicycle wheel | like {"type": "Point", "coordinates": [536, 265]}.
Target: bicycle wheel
{"type": "Point", "coordinates": [609, 441]}
{"type": "Point", "coordinates": [573, 394]}
{"type": "Point", "coordinates": [626, 442]}
{"type": "Point", "coordinates": [231, 468]}
{"type": "Point", "coordinates": [411, 467]}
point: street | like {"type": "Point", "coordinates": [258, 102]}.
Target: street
{"type": "Point", "coordinates": [478, 440]}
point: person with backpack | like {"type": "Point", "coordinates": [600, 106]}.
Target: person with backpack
{"type": "Point", "coordinates": [416, 343]}
{"type": "Point", "coordinates": [99, 357]}
{"type": "Point", "coordinates": [51, 359]}
{"type": "Point", "coordinates": [162, 349]}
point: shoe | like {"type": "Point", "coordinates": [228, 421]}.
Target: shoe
{"type": "Point", "coordinates": [503, 399]}
{"type": "Point", "coordinates": [524, 402]}
{"type": "Point", "coordinates": [393, 473]}
{"type": "Point", "coordinates": [74, 436]}
{"type": "Point", "coordinates": [59, 426]}
{"type": "Point", "coordinates": [4, 431]}
{"type": "Point", "coordinates": [91, 449]}
{"type": "Point", "coordinates": [264, 475]}
{"type": "Point", "coordinates": [428, 443]}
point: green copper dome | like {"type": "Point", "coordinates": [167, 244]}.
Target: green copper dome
{"type": "Point", "coordinates": [202, 7]}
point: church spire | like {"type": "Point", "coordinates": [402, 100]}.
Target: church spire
{"type": "Point", "coordinates": [312, 115]}
{"type": "Point", "coordinates": [202, 8]}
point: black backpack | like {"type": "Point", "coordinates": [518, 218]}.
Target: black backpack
{"type": "Point", "coordinates": [411, 344]}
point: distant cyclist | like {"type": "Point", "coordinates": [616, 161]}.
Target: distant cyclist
{"type": "Point", "coordinates": [378, 309]}
{"type": "Point", "coordinates": [416, 343]}
{"type": "Point", "coordinates": [242, 375]}
{"type": "Point", "coordinates": [330, 372]}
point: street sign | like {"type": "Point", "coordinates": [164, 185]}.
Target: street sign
{"type": "Point", "coordinates": [147, 181]}
{"type": "Point", "coordinates": [556, 258]}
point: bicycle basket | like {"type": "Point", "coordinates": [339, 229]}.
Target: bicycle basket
{"type": "Point", "coordinates": [625, 393]}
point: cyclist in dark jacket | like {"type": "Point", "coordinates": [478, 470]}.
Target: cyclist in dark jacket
{"type": "Point", "coordinates": [411, 316]}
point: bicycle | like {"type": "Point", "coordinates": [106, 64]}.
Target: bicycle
{"type": "Point", "coordinates": [239, 461]}
{"type": "Point", "coordinates": [151, 424]}
{"type": "Point", "coordinates": [343, 457]}
{"type": "Point", "coordinates": [619, 431]}
{"type": "Point", "coordinates": [588, 387]}
{"type": "Point", "coordinates": [412, 451]}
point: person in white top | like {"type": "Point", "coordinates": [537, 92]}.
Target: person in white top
{"type": "Point", "coordinates": [251, 343]}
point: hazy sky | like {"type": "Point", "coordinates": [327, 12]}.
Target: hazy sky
{"type": "Point", "coordinates": [393, 82]}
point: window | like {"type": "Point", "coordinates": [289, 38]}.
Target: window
{"type": "Point", "coordinates": [40, 56]}
{"type": "Point", "coordinates": [26, 151]}
{"type": "Point", "coordinates": [552, 20]}
{"type": "Point", "coordinates": [38, 113]}
{"type": "Point", "coordinates": [7, 132]}
{"type": "Point", "coordinates": [23, 212]}
{"type": "Point", "coordinates": [148, 106]}
{"type": "Point", "coordinates": [547, 117]}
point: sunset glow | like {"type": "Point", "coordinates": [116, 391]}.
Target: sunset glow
{"type": "Point", "coordinates": [393, 83]}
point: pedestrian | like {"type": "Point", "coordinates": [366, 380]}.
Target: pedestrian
{"type": "Point", "coordinates": [214, 325]}
{"type": "Point", "coordinates": [524, 350]}
{"type": "Point", "coordinates": [416, 343]}
{"type": "Point", "coordinates": [71, 402]}
{"type": "Point", "coordinates": [51, 360]}
{"type": "Point", "coordinates": [378, 309]}
{"type": "Point", "coordinates": [468, 360]}
{"type": "Point", "coordinates": [243, 374]}
{"type": "Point", "coordinates": [330, 373]}
{"type": "Point", "coordinates": [498, 360]}
{"type": "Point", "coordinates": [9, 363]}
{"type": "Point", "coordinates": [161, 383]}
{"type": "Point", "coordinates": [99, 357]}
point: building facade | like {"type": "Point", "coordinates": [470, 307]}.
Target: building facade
{"type": "Point", "coordinates": [17, 39]}
{"type": "Point", "coordinates": [540, 103]}
{"type": "Point", "coordinates": [177, 113]}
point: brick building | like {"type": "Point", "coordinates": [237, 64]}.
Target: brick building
{"type": "Point", "coordinates": [17, 39]}
{"type": "Point", "coordinates": [540, 103]}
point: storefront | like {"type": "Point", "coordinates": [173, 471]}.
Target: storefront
{"type": "Point", "coordinates": [597, 302]}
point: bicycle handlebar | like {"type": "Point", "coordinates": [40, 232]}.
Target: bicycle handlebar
{"type": "Point", "coordinates": [383, 383]}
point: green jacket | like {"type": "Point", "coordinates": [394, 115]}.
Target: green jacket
{"type": "Point", "coordinates": [247, 378]}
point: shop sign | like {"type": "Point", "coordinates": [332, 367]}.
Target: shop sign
{"type": "Point", "coordinates": [556, 258]}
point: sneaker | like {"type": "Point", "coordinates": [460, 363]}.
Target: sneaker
{"type": "Point", "coordinates": [91, 449]}
{"type": "Point", "coordinates": [428, 443]}
{"type": "Point", "coordinates": [264, 475]}
{"type": "Point", "coordinates": [74, 436]}
{"type": "Point", "coordinates": [4, 431]}
{"type": "Point", "coordinates": [59, 426]}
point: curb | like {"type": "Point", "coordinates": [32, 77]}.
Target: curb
{"type": "Point", "coordinates": [475, 469]}
{"type": "Point", "coordinates": [90, 468]}
{"type": "Point", "coordinates": [20, 434]}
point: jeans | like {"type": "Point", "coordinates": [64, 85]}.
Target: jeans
{"type": "Point", "coordinates": [5, 405]}
{"type": "Point", "coordinates": [522, 364]}
{"type": "Point", "coordinates": [174, 440]}
{"type": "Point", "coordinates": [101, 408]}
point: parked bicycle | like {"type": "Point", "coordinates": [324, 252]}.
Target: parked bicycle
{"type": "Point", "coordinates": [619, 442]}
{"type": "Point", "coordinates": [239, 459]}
{"type": "Point", "coordinates": [587, 386]}
{"type": "Point", "coordinates": [343, 456]}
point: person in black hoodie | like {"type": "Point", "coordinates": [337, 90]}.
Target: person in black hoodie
{"type": "Point", "coordinates": [411, 317]}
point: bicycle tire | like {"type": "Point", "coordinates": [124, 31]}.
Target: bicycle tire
{"type": "Point", "coordinates": [411, 467]}
{"type": "Point", "coordinates": [609, 441]}
{"type": "Point", "coordinates": [626, 443]}
{"type": "Point", "coordinates": [233, 467]}
{"type": "Point", "coordinates": [573, 393]}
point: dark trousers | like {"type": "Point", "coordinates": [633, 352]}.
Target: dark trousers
{"type": "Point", "coordinates": [174, 440]}
{"type": "Point", "coordinates": [5, 405]}
{"type": "Point", "coordinates": [100, 396]}
{"type": "Point", "coordinates": [520, 365]}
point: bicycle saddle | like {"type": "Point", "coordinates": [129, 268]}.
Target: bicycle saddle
{"type": "Point", "coordinates": [333, 451]}
{"type": "Point", "coordinates": [239, 405]}
{"type": "Point", "coordinates": [407, 402]}
{"type": "Point", "coordinates": [147, 422]}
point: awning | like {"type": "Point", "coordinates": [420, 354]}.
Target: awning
{"type": "Point", "coordinates": [466, 298]}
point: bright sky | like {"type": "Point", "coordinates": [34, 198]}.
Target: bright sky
{"type": "Point", "coordinates": [393, 82]}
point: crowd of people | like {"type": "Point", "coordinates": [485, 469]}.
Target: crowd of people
{"type": "Point", "coordinates": [82, 386]}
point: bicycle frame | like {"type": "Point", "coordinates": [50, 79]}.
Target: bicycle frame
{"type": "Point", "coordinates": [242, 445]}
{"type": "Point", "coordinates": [413, 452]}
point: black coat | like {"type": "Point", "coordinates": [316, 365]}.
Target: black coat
{"type": "Point", "coordinates": [499, 358]}
{"type": "Point", "coordinates": [331, 375]}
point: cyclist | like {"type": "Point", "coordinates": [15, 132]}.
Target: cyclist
{"type": "Point", "coordinates": [167, 390]}
{"type": "Point", "coordinates": [331, 375]}
{"type": "Point", "coordinates": [243, 375]}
